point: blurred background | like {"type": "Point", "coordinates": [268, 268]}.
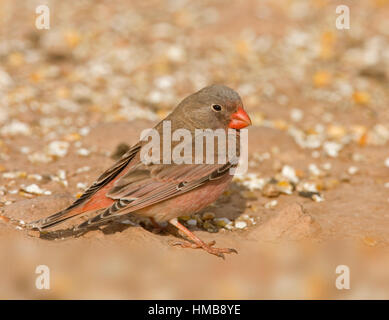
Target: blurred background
{"type": "Point", "coordinates": [74, 96]}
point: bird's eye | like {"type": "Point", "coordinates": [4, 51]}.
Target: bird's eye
{"type": "Point", "coordinates": [216, 107]}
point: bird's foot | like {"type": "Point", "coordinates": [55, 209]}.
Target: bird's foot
{"type": "Point", "coordinates": [197, 243]}
{"type": "Point", "coordinates": [208, 247]}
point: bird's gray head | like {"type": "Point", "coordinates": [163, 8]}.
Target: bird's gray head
{"type": "Point", "coordinates": [214, 107]}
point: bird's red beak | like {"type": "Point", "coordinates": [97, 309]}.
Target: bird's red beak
{"type": "Point", "coordinates": [239, 119]}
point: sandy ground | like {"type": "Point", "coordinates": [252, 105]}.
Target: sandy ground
{"type": "Point", "coordinates": [316, 194]}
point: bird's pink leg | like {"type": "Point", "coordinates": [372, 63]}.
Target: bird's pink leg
{"type": "Point", "coordinates": [198, 243]}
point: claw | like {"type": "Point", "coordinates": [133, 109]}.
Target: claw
{"type": "Point", "coordinates": [219, 252]}
{"type": "Point", "coordinates": [197, 243]}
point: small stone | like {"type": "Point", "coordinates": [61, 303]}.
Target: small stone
{"type": "Point", "coordinates": [38, 157]}
{"type": "Point", "coordinates": [336, 132]}
{"type": "Point", "coordinates": [9, 175]}
{"type": "Point", "coordinates": [35, 176]}
{"type": "Point", "coordinates": [81, 185]}
{"type": "Point", "coordinates": [317, 198]}
{"type": "Point", "coordinates": [352, 170]}
{"type": "Point", "coordinates": [58, 148]}
{"type": "Point", "coordinates": [16, 128]}
{"type": "Point", "coordinates": [207, 225]}
{"type": "Point", "coordinates": [84, 131]}
{"type": "Point", "coordinates": [208, 216]}
{"type": "Point", "coordinates": [83, 169]}
{"type": "Point", "coordinates": [61, 174]}
{"type": "Point", "coordinates": [296, 115]}
{"type": "Point", "coordinates": [289, 173]}
{"type": "Point", "coordinates": [270, 190]}
{"type": "Point", "coordinates": [222, 222]}
{"type": "Point", "coordinates": [25, 150]}
{"type": "Point", "coordinates": [83, 152]}
{"type": "Point", "coordinates": [245, 216]}
{"type": "Point", "coordinates": [285, 187]}
{"type": "Point", "coordinates": [33, 189]}
{"type": "Point", "coordinates": [271, 204]}
{"type": "Point", "coordinates": [240, 224]}
{"type": "Point", "coordinates": [314, 170]}
{"type": "Point", "coordinates": [192, 222]}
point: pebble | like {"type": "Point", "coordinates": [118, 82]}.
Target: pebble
{"type": "Point", "coordinates": [208, 216]}
{"type": "Point", "coordinates": [317, 198]}
{"type": "Point", "coordinates": [352, 170]}
{"type": "Point", "coordinates": [81, 185]}
{"type": "Point", "coordinates": [289, 173]}
{"type": "Point", "coordinates": [271, 204]}
{"type": "Point", "coordinates": [240, 224]}
{"type": "Point", "coordinates": [296, 115]}
{"type": "Point", "coordinates": [314, 170]}
{"type": "Point", "coordinates": [35, 189]}
{"type": "Point", "coordinates": [192, 222]}
{"type": "Point", "coordinates": [83, 152]}
{"type": "Point", "coordinates": [270, 190]}
{"type": "Point", "coordinates": [332, 148]}
{"type": "Point", "coordinates": [58, 148]}
{"type": "Point", "coordinates": [16, 127]}
{"type": "Point", "coordinates": [222, 222]}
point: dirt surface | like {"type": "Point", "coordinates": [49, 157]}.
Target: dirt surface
{"type": "Point", "coordinates": [316, 194]}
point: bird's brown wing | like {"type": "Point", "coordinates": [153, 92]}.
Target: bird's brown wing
{"type": "Point", "coordinates": [146, 185]}
{"type": "Point", "coordinates": [149, 184]}
{"type": "Point", "coordinates": [107, 176]}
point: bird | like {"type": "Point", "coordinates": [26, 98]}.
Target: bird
{"type": "Point", "coordinates": [162, 191]}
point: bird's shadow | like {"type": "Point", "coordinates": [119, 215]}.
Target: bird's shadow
{"type": "Point", "coordinates": [230, 205]}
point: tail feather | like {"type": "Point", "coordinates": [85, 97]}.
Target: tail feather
{"type": "Point", "coordinates": [54, 219]}
{"type": "Point", "coordinates": [106, 215]}
{"type": "Point", "coordinates": [93, 198]}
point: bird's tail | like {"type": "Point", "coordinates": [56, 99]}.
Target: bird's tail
{"type": "Point", "coordinates": [72, 211]}
{"type": "Point", "coordinates": [54, 219]}
{"type": "Point", "coordinates": [108, 214]}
